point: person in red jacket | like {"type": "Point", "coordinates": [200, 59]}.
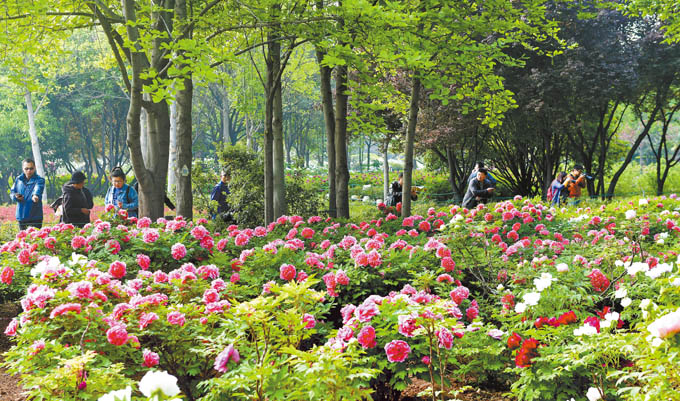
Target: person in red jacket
{"type": "Point", "coordinates": [575, 182]}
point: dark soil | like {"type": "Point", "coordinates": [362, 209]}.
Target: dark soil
{"type": "Point", "coordinates": [474, 394]}
{"type": "Point", "coordinates": [9, 385]}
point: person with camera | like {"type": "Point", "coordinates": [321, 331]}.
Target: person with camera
{"type": "Point", "coordinates": [397, 190]}
{"type": "Point", "coordinates": [575, 182]}
{"type": "Point", "coordinates": [77, 201]}
{"type": "Point", "coordinates": [219, 194]}
{"type": "Point", "coordinates": [27, 192]}
{"type": "Point", "coordinates": [479, 190]}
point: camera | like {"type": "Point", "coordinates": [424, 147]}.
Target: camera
{"type": "Point", "coordinates": [588, 176]}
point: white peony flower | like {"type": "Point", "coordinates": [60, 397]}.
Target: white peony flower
{"type": "Point", "coordinates": [154, 381]}
{"type": "Point", "coordinates": [643, 202]}
{"type": "Point", "coordinates": [585, 330]}
{"type": "Point", "coordinates": [520, 307]}
{"type": "Point", "coordinates": [562, 267]}
{"type": "Point", "coordinates": [118, 395]}
{"type": "Point", "coordinates": [625, 302]}
{"type": "Point", "coordinates": [659, 270]}
{"type": "Point", "coordinates": [593, 394]}
{"type": "Point", "coordinates": [630, 214]}
{"type": "Point", "coordinates": [620, 293]}
{"type": "Point", "coordinates": [637, 267]}
{"type": "Point", "coordinates": [544, 281]}
{"type": "Point", "coordinates": [50, 263]}
{"type": "Point", "coordinates": [531, 298]}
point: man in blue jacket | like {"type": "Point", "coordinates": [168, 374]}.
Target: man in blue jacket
{"type": "Point", "coordinates": [219, 194]}
{"type": "Point", "coordinates": [27, 191]}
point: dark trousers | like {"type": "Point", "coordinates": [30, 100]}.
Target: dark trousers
{"type": "Point", "coordinates": [25, 224]}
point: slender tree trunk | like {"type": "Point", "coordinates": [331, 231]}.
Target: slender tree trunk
{"type": "Point", "coordinates": [280, 207]}
{"type": "Point", "coordinates": [410, 139]}
{"type": "Point", "coordinates": [173, 168]}
{"type": "Point", "coordinates": [341, 168]}
{"type": "Point", "coordinates": [269, 142]}
{"type": "Point", "coordinates": [329, 120]}
{"type": "Point", "coordinates": [386, 168]}
{"type": "Point", "coordinates": [631, 152]}
{"type": "Point", "coordinates": [33, 133]}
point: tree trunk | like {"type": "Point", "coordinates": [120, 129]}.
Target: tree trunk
{"type": "Point", "coordinates": [386, 168]}
{"type": "Point", "coordinates": [269, 142]}
{"type": "Point", "coordinates": [280, 207]}
{"type": "Point", "coordinates": [35, 145]}
{"type": "Point", "coordinates": [173, 167]}
{"type": "Point", "coordinates": [410, 139]}
{"type": "Point", "coordinates": [341, 169]}
{"type": "Point", "coordinates": [152, 174]}
{"type": "Point", "coordinates": [329, 120]}
{"type": "Point", "coordinates": [185, 206]}
{"type": "Point", "coordinates": [631, 152]}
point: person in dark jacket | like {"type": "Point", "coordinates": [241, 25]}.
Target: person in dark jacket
{"type": "Point", "coordinates": [219, 194]}
{"type": "Point", "coordinates": [27, 191]}
{"type": "Point", "coordinates": [397, 190]}
{"type": "Point", "coordinates": [479, 190]}
{"type": "Point", "coordinates": [77, 201]}
{"type": "Point", "coordinates": [489, 177]}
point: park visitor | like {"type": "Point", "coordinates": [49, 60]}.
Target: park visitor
{"type": "Point", "coordinates": [219, 194]}
{"type": "Point", "coordinates": [576, 181]}
{"type": "Point", "coordinates": [27, 191]}
{"type": "Point", "coordinates": [479, 190]}
{"type": "Point", "coordinates": [76, 201]}
{"type": "Point", "coordinates": [556, 188]}
{"type": "Point", "coordinates": [397, 189]}
{"type": "Point", "coordinates": [120, 194]}
{"type": "Point", "coordinates": [489, 177]}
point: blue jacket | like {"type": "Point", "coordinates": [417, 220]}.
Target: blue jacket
{"type": "Point", "coordinates": [219, 194]}
{"type": "Point", "coordinates": [127, 195]}
{"type": "Point", "coordinates": [557, 188]}
{"type": "Point", "coordinates": [27, 210]}
{"type": "Point", "coordinates": [489, 177]}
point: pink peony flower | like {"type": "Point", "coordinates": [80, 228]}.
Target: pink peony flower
{"type": "Point", "coordinates": [397, 350]}
{"type": "Point", "coordinates": [287, 272]}
{"type": "Point", "coordinates": [146, 319]}
{"type": "Point", "coordinates": [78, 242]}
{"type": "Point", "coordinates": [241, 240]}
{"type": "Point", "coordinates": [459, 294]}
{"type": "Point", "coordinates": [309, 321]}
{"type": "Point", "coordinates": [64, 308]}
{"type": "Point", "coordinates": [666, 326]}
{"type": "Point", "coordinates": [448, 264]}
{"type": "Point", "coordinates": [366, 337]}
{"type": "Point", "coordinates": [11, 329]}
{"type": "Point", "coordinates": [7, 275]}
{"type": "Point", "coordinates": [24, 257]}
{"type": "Point", "coordinates": [151, 359]}
{"type": "Point", "coordinates": [223, 358]}
{"type": "Point", "coordinates": [143, 261]}
{"type": "Point", "coordinates": [176, 318]}
{"type": "Point", "coordinates": [117, 269]}
{"type": "Point", "coordinates": [366, 311]}
{"type": "Point", "coordinates": [117, 335]}
{"type": "Point", "coordinates": [445, 338]}
{"type": "Point", "coordinates": [178, 251]}
{"type": "Point", "coordinates": [150, 235]}
{"type": "Point", "coordinates": [341, 277]}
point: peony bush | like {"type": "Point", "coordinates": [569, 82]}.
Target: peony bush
{"type": "Point", "coordinates": [547, 303]}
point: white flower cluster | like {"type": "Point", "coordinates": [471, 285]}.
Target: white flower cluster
{"type": "Point", "coordinates": [153, 383]}
{"type": "Point", "coordinates": [530, 299]}
{"type": "Point", "coordinates": [580, 218]}
{"type": "Point", "coordinates": [544, 281]}
{"type": "Point", "coordinates": [630, 214]}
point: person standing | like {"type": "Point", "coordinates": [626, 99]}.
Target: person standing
{"type": "Point", "coordinates": [556, 187]}
{"type": "Point", "coordinates": [479, 190]}
{"type": "Point", "coordinates": [120, 194]}
{"type": "Point", "coordinates": [77, 201]}
{"type": "Point", "coordinates": [576, 181]}
{"type": "Point", "coordinates": [219, 194]}
{"type": "Point", "coordinates": [27, 191]}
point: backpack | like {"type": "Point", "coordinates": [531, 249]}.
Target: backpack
{"type": "Point", "coordinates": [127, 199]}
{"type": "Point", "coordinates": [550, 194]}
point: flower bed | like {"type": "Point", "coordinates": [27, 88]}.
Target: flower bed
{"type": "Point", "coordinates": [553, 304]}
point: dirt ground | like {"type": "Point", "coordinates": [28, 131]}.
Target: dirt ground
{"type": "Point", "coordinates": [9, 389]}
{"type": "Point", "coordinates": [417, 386]}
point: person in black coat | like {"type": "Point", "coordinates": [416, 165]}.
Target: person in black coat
{"type": "Point", "coordinates": [397, 189]}
{"type": "Point", "coordinates": [77, 201]}
{"type": "Point", "coordinates": [219, 194]}
{"type": "Point", "coordinates": [479, 190]}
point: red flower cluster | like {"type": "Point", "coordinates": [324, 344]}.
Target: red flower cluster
{"type": "Point", "coordinates": [565, 318]}
{"type": "Point", "coordinates": [598, 280]}
{"type": "Point", "coordinates": [526, 352]}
